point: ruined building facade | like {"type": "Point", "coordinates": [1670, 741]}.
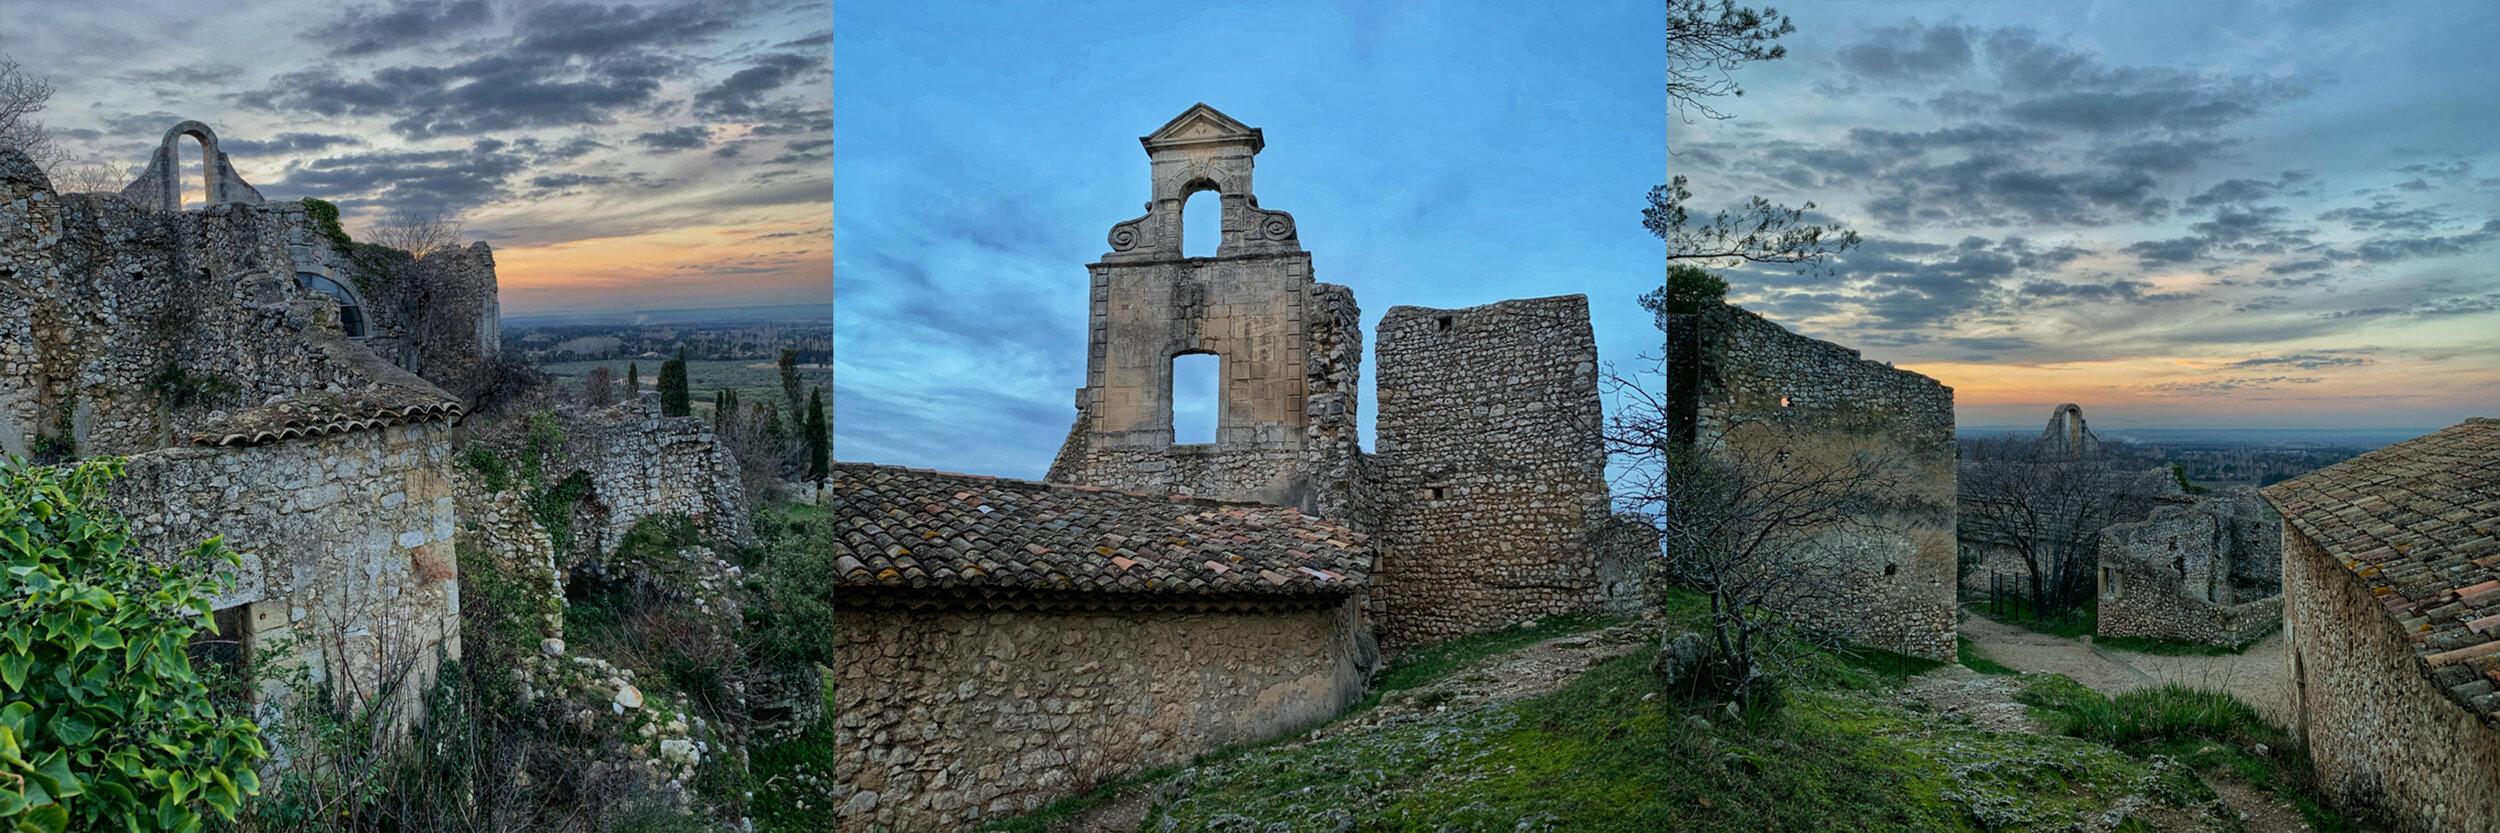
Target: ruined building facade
{"type": "Point", "coordinates": [2202, 569]}
{"type": "Point", "coordinates": [1748, 389]}
{"type": "Point", "coordinates": [1487, 495]}
{"type": "Point", "coordinates": [302, 403]}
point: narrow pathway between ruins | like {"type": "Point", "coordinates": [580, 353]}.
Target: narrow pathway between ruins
{"type": "Point", "coordinates": [2255, 675]}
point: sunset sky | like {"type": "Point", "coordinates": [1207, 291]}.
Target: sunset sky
{"type": "Point", "coordinates": [2266, 215]}
{"type": "Point", "coordinates": [617, 155]}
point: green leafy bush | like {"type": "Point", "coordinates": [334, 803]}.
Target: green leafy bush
{"type": "Point", "coordinates": [104, 725]}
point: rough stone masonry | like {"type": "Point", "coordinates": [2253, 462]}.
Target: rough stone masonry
{"type": "Point", "coordinates": [1488, 492]}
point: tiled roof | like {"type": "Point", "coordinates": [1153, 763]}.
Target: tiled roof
{"type": "Point", "coordinates": [319, 414]}
{"type": "Point", "coordinates": [914, 528]}
{"type": "Point", "coordinates": [2418, 522]}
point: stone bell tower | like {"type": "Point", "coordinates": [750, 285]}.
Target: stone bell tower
{"type": "Point", "coordinates": [1289, 349]}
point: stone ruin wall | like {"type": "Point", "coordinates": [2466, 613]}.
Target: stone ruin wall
{"type": "Point", "coordinates": [128, 326]}
{"type": "Point", "coordinates": [642, 464]}
{"type": "Point", "coordinates": [1291, 355]}
{"type": "Point", "coordinates": [346, 540]}
{"type": "Point", "coordinates": [1490, 473]}
{"type": "Point", "coordinates": [2384, 735]}
{"type": "Point", "coordinates": [1750, 383]}
{"type": "Point", "coordinates": [975, 714]}
{"type": "Point", "coordinates": [2208, 572]}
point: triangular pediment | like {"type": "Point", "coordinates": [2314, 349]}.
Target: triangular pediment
{"type": "Point", "coordinates": [1201, 125]}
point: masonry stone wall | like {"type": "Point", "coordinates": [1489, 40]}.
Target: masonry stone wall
{"type": "Point", "coordinates": [642, 464]}
{"type": "Point", "coordinates": [2207, 572]}
{"type": "Point", "coordinates": [1490, 471]}
{"type": "Point", "coordinates": [943, 717]}
{"type": "Point", "coordinates": [2384, 736]}
{"type": "Point", "coordinates": [346, 540]}
{"type": "Point", "coordinates": [121, 327]}
{"type": "Point", "coordinates": [1750, 385]}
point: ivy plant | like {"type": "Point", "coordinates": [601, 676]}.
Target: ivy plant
{"type": "Point", "coordinates": [104, 724]}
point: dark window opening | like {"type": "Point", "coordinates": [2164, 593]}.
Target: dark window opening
{"type": "Point", "coordinates": [1202, 224]}
{"type": "Point", "coordinates": [351, 316]}
{"type": "Point", "coordinates": [1445, 323]}
{"type": "Point", "coordinates": [1197, 397]}
{"type": "Point", "coordinates": [1436, 492]}
{"type": "Point", "coordinates": [220, 657]}
{"type": "Point", "coordinates": [1890, 569]}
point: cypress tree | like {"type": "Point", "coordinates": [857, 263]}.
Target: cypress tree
{"type": "Point", "coordinates": [819, 438]}
{"type": "Point", "coordinates": [672, 385]}
{"type": "Point", "coordinates": [633, 381]}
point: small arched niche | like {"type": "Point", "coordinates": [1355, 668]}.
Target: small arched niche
{"type": "Point", "coordinates": [351, 313]}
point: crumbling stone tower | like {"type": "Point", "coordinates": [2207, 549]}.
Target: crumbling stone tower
{"type": "Point", "coordinates": [1289, 348]}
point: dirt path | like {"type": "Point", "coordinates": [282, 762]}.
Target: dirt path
{"type": "Point", "coordinates": [1524, 672]}
{"type": "Point", "coordinates": [2256, 675]}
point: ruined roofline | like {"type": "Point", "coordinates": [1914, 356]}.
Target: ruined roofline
{"type": "Point", "coordinates": [1410, 309]}
{"type": "Point", "coordinates": [1040, 485]}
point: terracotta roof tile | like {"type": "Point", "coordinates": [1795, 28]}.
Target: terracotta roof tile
{"type": "Point", "coordinates": [981, 532]}
{"type": "Point", "coordinates": [2415, 522]}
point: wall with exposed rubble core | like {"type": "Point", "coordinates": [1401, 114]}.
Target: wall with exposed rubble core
{"type": "Point", "coordinates": [2208, 572]}
{"type": "Point", "coordinates": [1490, 471]}
{"type": "Point", "coordinates": [2384, 735]}
{"type": "Point", "coordinates": [1752, 388]}
{"type": "Point", "coordinates": [948, 715]}
{"type": "Point", "coordinates": [642, 464]}
{"type": "Point", "coordinates": [120, 327]}
{"type": "Point", "coordinates": [346, 540]}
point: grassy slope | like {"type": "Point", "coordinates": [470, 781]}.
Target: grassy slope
{"type": "Point", "coordinates": [1611, 753]}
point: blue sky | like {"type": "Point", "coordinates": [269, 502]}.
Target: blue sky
{"type": "Point", "coordinates": [618, 155]}
{"type": "Point", "coordinates": [1445, 154]}
{"type": "Point", "coordinates": [2267, 215]}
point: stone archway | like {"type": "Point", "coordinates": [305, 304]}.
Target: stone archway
{"type": "Point", "coordinates": [159, 188]}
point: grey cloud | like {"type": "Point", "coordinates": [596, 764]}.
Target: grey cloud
{"type": "Point", "coordinates": [675, 139]}
{"type": "Point", "coordinates": [2233, 191]}
{"type": "Point", "coordinates": [2165, 155]}
{"type": "Point", "coordinates": [1896, 53]}
{"type": "Point", "coordinates": [427, 182]}
{"type": "Point", "coordinates": [738, 95]}
{"type": "Point", "coordinates": [288, 142]}
{"type": "Point", "coordinates": [2304, 361]}
{"type": "Point", "coordinates": [2218, 387]}
{"type": "Point", "coordinates": [367, 30]}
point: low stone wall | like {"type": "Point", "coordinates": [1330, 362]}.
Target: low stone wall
{"type": "Point", "coordinates": [2385, 737]}
{"type": "Point", "coordinates": [943, 717]}
{"type": "Point", "coordinates": [346, 540]}
{"type": "Point", "coordinates": [2187, 574]}
{"type": "Point", "coordinates": [2138, 602]}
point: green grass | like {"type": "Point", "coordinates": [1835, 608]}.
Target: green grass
{"type": "Point", "coordinates": [795, 771]}
{"type": "Point", "coordinates": [1611, 752]}
{"type": "Point", "coordinates": [2166, 647]}
{"type": "Point", "coordinates": [1894, 669]}
{"type": "Point", "coordinates": [755, 381]}
{"type": "Point", "coordinates": [1423, 665]}
{"type": "Point", "coordinates": [1976, 661]}
{"type": "Point", "coordinates": [2073, 622]}
{"type": "Point", "coordinates": [2209, 731]}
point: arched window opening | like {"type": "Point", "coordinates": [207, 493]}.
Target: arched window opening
{"type": "Point", "coordinates": [1202, 224]}
{"type": "Point", "coordinates": [193, 178]}
{"type": "Point", "coordinates": [351, 316]}
{"type": "Point", "coordinates": [1197, 399]}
